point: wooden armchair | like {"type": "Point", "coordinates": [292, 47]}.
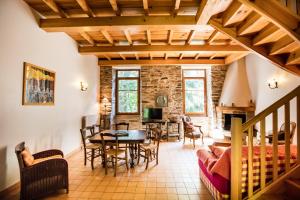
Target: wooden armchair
{"type": "Point", "coordinates": [190, 130]}
{"type": "Point", "coordinates": [47, 176]}
{"type": "Point", "coordinates": [281, 133]}
{"type": "Point", "coordinates": [150, 150]}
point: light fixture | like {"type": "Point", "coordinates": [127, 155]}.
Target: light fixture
{"type": "Point", "coordinates": [273, 84]}
{"type": "Point", "coordinates": [83, 86]}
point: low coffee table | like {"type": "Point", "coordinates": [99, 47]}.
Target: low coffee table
{"type": "Point", "coordinates": [222, 142]}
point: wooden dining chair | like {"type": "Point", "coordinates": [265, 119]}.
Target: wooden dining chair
{"type": "Point", "coordinates": [122, 126]}
{"type": "Point", "coordinates": [191, 131]}
{"type": "Point", "coordinates": [112, 151]}
{"type": "Point", "coordinates": [149, 151]}
{"type": "Point", "coordinates": [281, 133]}
{"type": "Point", "coordinates": [91, 151]}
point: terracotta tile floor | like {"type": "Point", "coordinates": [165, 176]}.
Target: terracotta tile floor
{"type": "Point", "coordinates": [175, 177]}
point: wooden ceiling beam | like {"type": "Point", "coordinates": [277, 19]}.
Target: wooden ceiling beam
{"type": "Point", "coordinates": [197, 56]}
{"type": "Point", "coordinates": [233, 57]}
{"type": "Point", "coordinates": [88, 38]}
{"type": "Point", "coordinates": [85, 7]}
{"type": "Point", "coordinates": [170, 36]}
{"type": "Point", "coordinates": [180, 56]}
{"type": "Point", "coordinates": [107, 36]}
{"type": "Point", "coordinates": [128, 37]}
{"type": "Point", "coordinates": [294, 58]}
{"type": "Point", "coordinates": [277, 14]}
{"type": "Point", "coordinates": [191, 36]}
{"type": "Point", "coordinates": [235, 9]}
{"type": "Point", "coordinates": [107, 57]}
{"type": "Point", "coordinates": [266, 34]}
{"type": "Point", "coordinates": [247, 43]}
{"type": "Point", "coordinates": [162, 61]}
{"type": "Point", "coordinates": [146, 8]}
{"type": "Point", "coordinates": [213, 36]}
{"type": "Point", "coordinates": [283, 45]}
{"type": "Point", "coordinates": [251, 22]}
{"type": "Point", "coordinates": [208, 8]}
{"type": "Point", "coordinates": [162, 48]}
{"type": "Point", "coordinates": [114, 6]}
{"type": "Point", "coordinates": [148, 33]}
{"type": "Point", "coordinates": [51, 4]}
{"type": "Point", "coordinates": [136, 56]}
{"type": "Point", "coordinates": [122, 56]}
{"type": "Point", "coordinates": [176, 7]}
{"type": "Point", "coordinates": [166, 56]}
{"type": "Point", "coordinates": [121, 23]}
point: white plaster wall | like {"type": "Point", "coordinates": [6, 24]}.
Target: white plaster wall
{"type": "Point", "coordinates": [260, 71]}
{"type": "Point", "coordinates": [41, 127]}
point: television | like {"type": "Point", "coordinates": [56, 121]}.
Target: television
{"type": "Point", "coordinates": [152, 114]}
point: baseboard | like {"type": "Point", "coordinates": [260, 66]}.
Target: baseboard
{"type": "Point", "coordinates": [16, 187]}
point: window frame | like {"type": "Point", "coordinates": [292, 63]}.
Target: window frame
{"type": "Point", "coordinates": [117, 91]}
{"type": "Point", "coordinates": [202, 114]}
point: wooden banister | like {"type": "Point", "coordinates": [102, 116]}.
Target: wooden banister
{"type": "Point", "coordinates": [239, 129]}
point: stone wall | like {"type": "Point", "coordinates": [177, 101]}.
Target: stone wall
{"type": "Point", "coordinates": [105, 88]}
{"type": "Point", "coordinates": [218, 74]}
{"type": "Point", "coordinates": [158, 80]}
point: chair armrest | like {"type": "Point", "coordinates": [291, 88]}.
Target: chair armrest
{"type": "Point", "coordinates": [47, 153]}
{"type": "Point", "coordinates": [44, 169]}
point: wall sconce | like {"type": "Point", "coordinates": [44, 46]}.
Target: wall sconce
{"type": "Point", "coordinates": [273, 84]}
{"type": "Point", "coordinates": [105, 102]}
{"type": "Point", "coordinates": [83, 86]}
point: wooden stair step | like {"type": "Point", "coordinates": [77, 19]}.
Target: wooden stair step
{"type": "Point", "coordinates": [274, 197]}
{"type": "Point", "coordinates": [293, 188]}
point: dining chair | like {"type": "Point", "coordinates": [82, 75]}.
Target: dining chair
{"type": "Point", "coordinates": [281, 133]}
{"type": "Point", "coordinates": [111, 150]}
{"type": "Point", "coordinates": [149, 151]}
{"type": "Point", "coordinates": [91, 151]}
{"type": "Point", "coordinates": [122, 126]}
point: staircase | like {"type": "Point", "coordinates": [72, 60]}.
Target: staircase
{"type": "Point", "coordinates": [285, 185]}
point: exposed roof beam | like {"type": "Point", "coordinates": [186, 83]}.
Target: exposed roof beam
{"type": "Point", "coordinates": [285, 44]}
{"type": "Point", "coordinates": [233, 57]}
{"type": "Point", "coordinates": [128, 37]}
{"type": "Point", "coordinates": [87, 37]}
{"type": "Point", "coordinates": [294, 58]}
{"type": "Point", "coordinates": [277, 14]}
{"type": "Point", "coordinates": [146, 8]}
{"type": "Point", "coordinates": [170, 36]}
{"type": "Point", "coordinates": [166, 56]}
{"type": "Point", "coordinates": [247, 43]}
{"type": "Point", "coordinates": [213, 36]}
{"type": "Point", "coordinates": [181, 56]}
{"type": "Point", "coordinates": [235, 9]}
{"type": "Point", "coordinates": [122, 56]}
{"type": "Point", "coordinates": [107, 57]}
{"type": "Point", "coordinates": [85, 7]}
{"type": "Point", "coordinates": [197, 56]}
{"type": "Point", "coordinates": [176, 7]}
{"type": "Point", "coordinates": [51, 4]}
{"type": "Point", "coordinates": [208, 8]}
{"type": "Point", "coordinates": [157, 62]}
{"type": "Point", "coordinates": [252, 21]}
{"type": "Point", "coordinates": [191, 36]}
{"type": "Point", "coordinates": [148, 32]}
{"type": "Point", "coordinates": [162, 48]}
{"type": "Point", "coordinates": [107, 36]}
{"type": "Point", "coordinates": [114, 6]}
{"type": "Point", "coordinates": [266, 34]}
{"type": "Point", "coordinates": [136, 56]}
{"type": "Point", "coordinates": [121, 23]}
{"type": "Point", "coordinates": [150, 56]}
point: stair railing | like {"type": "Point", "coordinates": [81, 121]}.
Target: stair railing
{"type": "Point", "coordinates": [238, 131]}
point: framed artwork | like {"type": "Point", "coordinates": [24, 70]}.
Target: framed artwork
{"type": "Point", "coordinates": [38, 85]}
{"type": "Point", "coordinates": [161, 100]}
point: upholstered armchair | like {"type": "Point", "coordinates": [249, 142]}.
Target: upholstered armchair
{"type": "Point", "coordinates": [191, 130]}
{"type": "Point", "coordinates": [47, 173]}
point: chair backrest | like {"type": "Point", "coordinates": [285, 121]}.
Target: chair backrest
{"type": "Point", "coordinates": [185, 121]}
{"type": "Point", "coordinates": [86, 133]}
{"type": "Point", "coordinates": [156, 136]}
{"type": "Point", "coordinates": [292, 129]}
{"type": "Point", "coordinates": [114, 143]}
{"type": "Point", "coordinates": [18, 150]}
{"type": "Point", "coordinates": [122, 126]}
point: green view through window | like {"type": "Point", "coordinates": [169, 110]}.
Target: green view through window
{"type": "Point", "coordinates": [128, 91]}
{"type": "Point", "coordinates": [194, 92]}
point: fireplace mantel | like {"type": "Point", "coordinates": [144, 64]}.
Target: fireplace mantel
{"type": "Point", "coordinates": [235, 109]}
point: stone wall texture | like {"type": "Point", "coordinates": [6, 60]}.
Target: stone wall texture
{"type": "Point", "coordinates": [105, 88]}
{"type": "Point", "coordinates": [218, 74]}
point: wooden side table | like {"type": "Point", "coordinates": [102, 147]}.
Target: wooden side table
{"type": "Point", "coordinates": [173, 133]}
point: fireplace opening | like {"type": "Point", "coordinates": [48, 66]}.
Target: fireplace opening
{"type": "Point", "coordinates": [227, 120]}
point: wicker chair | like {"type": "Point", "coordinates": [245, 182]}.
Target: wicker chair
{"type": "Point", "coordinates": [43, 178]}
{"type": "Point", "coordinates": [190, 130]}
{"type": "Point", "coordinates": [149, 151]}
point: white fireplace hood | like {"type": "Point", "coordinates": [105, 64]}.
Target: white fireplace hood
{"type": "Point", "coordinates": [236, 90]}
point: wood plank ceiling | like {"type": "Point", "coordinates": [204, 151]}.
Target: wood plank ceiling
{"type": "Point", "coordinates": [174, 31]}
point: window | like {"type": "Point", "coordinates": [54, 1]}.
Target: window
{"type": "Point", "coordinates": [194, 92]}
{"type": "Point", "coordinates": [128, 92]}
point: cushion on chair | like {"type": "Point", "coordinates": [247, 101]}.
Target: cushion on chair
{"type": "Point", "coordinates": [27, 157]}
{"type": "Point", "coordinates": [113, 151]}
{"type": "Point", "coordinates": [92, 146]}
{"type": "Point", "coordinates": [46, 158]}
{"type": "Point", "coordinates": [148, 146]}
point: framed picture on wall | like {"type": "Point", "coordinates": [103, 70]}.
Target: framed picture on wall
{"type": "Point", "coordinates": [38, 85]}
{"type": "Point", "coordinates": [161, 100]}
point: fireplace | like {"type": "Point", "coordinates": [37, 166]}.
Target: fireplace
{"type": "Point", "coordinates": [227, 120]}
